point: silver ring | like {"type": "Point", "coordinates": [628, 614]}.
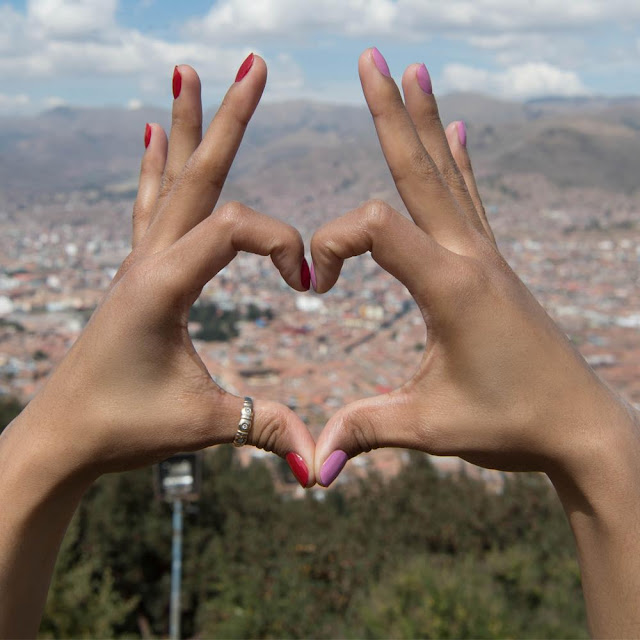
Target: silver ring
{"type": "Point", "coordinates": [245, 424]}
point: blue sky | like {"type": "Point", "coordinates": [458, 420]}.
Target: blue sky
{"type": "Point", "coordinates": [110, 52]}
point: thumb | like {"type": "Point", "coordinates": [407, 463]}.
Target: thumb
{"type": "Point", "coordinates": [275, 428]}
{"type": "Point", "coordinates": [278, 429]}
{"type": "Point", "coordinates": [371, 423]}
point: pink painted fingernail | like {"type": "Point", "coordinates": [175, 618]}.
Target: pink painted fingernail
{"type": "Point", "coordinates": [380, 62]}
{"type": "Point", "coordinates": [462, 133]}
{"type": "Point", "coordinates": [314, 282]}
{"type": "Point", "coordinates": [332, 466]}
{"type": "Point", "coordinates": [424, 79]}
{"type": "Point", "coordinates": [305, 276]}
{"type": "Point", "coordinates": [147, 135]}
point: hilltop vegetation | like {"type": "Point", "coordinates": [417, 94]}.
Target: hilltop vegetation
{"type": "Point", "coordinates": [420, 556]}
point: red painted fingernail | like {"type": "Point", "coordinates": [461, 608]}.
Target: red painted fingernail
{"type": "Point", "coordinates": [424, 79]}
{"type": "Point", "coordinates": [245, 67]}
{"type": "Point", "coordinates": [462, 133]}
{"type": "Point", "coordinates": [147, 135]}
{"type": "Point", "coordinates": [314, 282]}
{"type": "Point", "coordinates": [177, 82]}
{"type": "Point", "coordinates": [380, 62]}
{"type": "Point", "coordinates": [299, 468]}
{"type": "Point", "coordinates": [305, 275]}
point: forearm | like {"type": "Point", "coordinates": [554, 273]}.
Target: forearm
{"type": "Point", "coordinates": [38, 497]}
{"type": "Point", "coordinates": [600, 492]}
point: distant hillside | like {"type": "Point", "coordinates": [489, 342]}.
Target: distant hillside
{"type": "Point", "coordinates": [302, 152]}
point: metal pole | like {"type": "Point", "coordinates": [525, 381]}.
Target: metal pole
{"type": "Point", "coordinates": [176, 571]}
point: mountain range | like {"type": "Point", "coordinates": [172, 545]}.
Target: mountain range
{"type": "Point", "coordinates": [318, 156]}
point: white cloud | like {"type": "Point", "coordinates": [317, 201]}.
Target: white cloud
{"type": "Point", "coordinates": [81, 39]}
{"type": "Point", "coordinates": [134, 104]}
{"type": "Point", "coordinates": [54, 101]}
{"type": "Point", "coordinates": [70, 18]}
{"type": "Point", "coordinates": [29, 51]}
{"type": "Point", "coordinates": [513, 32]}
{"type": "Point", "coordinates": [229, 19]}
{"type": "Point", "coordinates": [13, 103]}
{"type": "Point", "coordinates": [538, 47]}
{"type": "Point", "coordinates": [529, 80]}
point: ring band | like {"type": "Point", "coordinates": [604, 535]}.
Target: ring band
{"type": "Point", "coordinates": [245, 424]}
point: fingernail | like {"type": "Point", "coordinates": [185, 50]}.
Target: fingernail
{"type": "Point", "coordinates": [381, 63]}
{"type": "Point", "coordinates": [305, 276]}
{"type": "Point", "coordinates": [332, 466]}
{"type": "Point", "coordinates": [314, 283]}
{"type": "Point", "coordinates": [424, 79]}
{"type": "Point", "coordinates": [245, 67]}
{"type": "Point", "coordinates": [147, 135]}
{"type": "Point", "coordinates": [462, 133]}
{"type": "Point", "coordinates": [299, 468]}
{"type": "Point", "coordinates": [177, 83]}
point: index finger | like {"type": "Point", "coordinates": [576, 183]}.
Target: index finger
{"type": "Point", "coordinates": [198, 187]}
{"type": "Point", "coordinates": [395, 244]}
{"type": "Point", "coordinates": [420, 184]}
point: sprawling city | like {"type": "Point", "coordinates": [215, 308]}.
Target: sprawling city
{"type": "Point", "coordinates": [577, 248]}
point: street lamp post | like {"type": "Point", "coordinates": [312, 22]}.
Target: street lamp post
{"type": "Point", "coordinates": [178, 479]}
{"type": "Point", "coordinates": [176, 571]}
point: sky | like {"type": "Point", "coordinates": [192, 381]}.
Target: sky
{"type": "Point", "coordinates": [119, 53]}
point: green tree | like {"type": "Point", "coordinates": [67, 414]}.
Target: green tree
{"type": "Point", "coordinates": [83, 600]}
{"type": "Point", "coordinates": [420, 555]}
{"type": "Point", "coordinates": [434, 596]}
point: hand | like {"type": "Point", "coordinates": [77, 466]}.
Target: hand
{"type": "Point", "coordinates": [499, 384]}
{"type": "Point", "coordinates": [133, 390]}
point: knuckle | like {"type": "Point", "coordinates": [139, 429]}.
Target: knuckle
{"type": "Point", "coordinates": [432, 115]}
{"type": "Point", "coordinates": [388, 110]}
{"type": "Point", "coordinates": [230, 108]}
{"type": "Point", "coordinates": [187, 121]}
{"type": "Point", "coordinates": [450, 173]}
{"type": "Point", "coordinates": [361, 430]}
{"type": "Point", "coordinates": [379, 215]}
{"type": "Point", "coordinates": [292, 235]}
{"type": "Point", "coordinates": [287, 241]}
{"type": "Point", "coordinates": [205, 169]}
{"type": "Point", "coordinates": [428, 121]}
{"type": "Point", "coordinates": [168, 181]}
{"type": "Point", "coordinates": [319, 239]}
{"type": "Point", "coordinates": [421, 164]}
{"type": "Point", "coordinates": [415, 163]}
{"type": "Point", "coordinates": [271, 432]}
{"type": "Point", "coordinates": [231, 214]}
